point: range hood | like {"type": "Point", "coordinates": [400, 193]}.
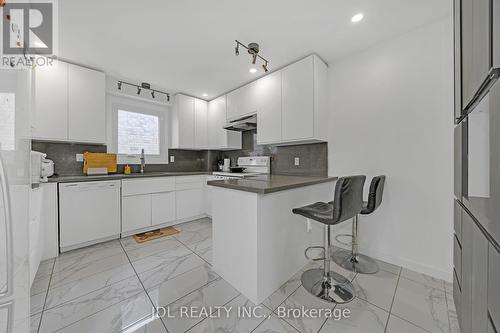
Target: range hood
{"type": "Point", "coordinates": [246, 123]}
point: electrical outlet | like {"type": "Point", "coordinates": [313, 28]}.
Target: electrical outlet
{"type": "Point", "coordinates": [297, 161]}
{"type": "Point", "coordinates": [79, 157]}
{"type": "Point", "coordinates": [172, 158]}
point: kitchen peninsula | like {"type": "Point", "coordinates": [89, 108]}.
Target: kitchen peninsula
{"type": "Point", "coordinates": [258, 244]}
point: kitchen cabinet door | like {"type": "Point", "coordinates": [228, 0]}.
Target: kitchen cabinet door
{"type": "Point", "coordinates": [136, 212]}
{"type": "Point", "coordinates": [457, 59]}
{"type": "Point", "coordinates": [163, 208]}
{"type": "Point", "coordinates": [190, 203]}
{"type": "Point", "coordinates": [269, 109]}
{"type": "Point", "coordinates": [479, 281]}
{"type": "Point", "coordinates": [476, 46]}
{"type": "Point", "coordinates": [86, 105]}
{"type": "Point", "coordinates": [494, 286]}
{"type": "Point", "coordinates": [467, 272]}
{"type": "Point", "coordinates": [495, 37]}
{"type": "Point", "coordinates": [182, 130]}
{"type": "Point", "coordinates": [457, 220]}
{"type": "Point", "coordinates": [242, 101]}
{"type": "Point", "coordinates": [467, 13]}
{"type": "Point", "coordinates": [200, 124]}
{"type": "Point", "coordinates": [298, 100]}
{"type": "Point", "coordinates": [51, 102]}
{"type": "Point", "coordinates": [218, 137]}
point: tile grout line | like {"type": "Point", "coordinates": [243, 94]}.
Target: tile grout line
{"type": "Point", "coordinates": [392, 302]}
{"type": "Point", "coordinates": [46, 295]}
{"type": "Point", "coordinates": [447, 309]}
{"type": "Point", "coordinates": [190, 249]}
{"type": "Point", "coordinates": [142, 284]}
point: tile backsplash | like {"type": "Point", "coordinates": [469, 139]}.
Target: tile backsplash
{"type": "Point", "coordinates": [313, 157]}
{"type": "Point", "coordinates": [65, 164]}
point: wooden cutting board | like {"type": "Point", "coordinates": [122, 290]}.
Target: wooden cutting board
{"type": "Point", "coordinates": [99, 160]}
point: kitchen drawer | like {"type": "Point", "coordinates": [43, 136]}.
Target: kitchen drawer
{"type": "Point", "coordinates": [494, 286]}
{"type": "Point", "coordinates": [457, 220]}
{"type": "Point", "coordinates": [148, 185]}
{"type": "Point", "coordinates": [457, 259]}
{"type": "Point", "coordinates": [190, 179]}
{"type": "Point", "coordinates": [190, 182]}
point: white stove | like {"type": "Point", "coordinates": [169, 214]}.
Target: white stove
{"type": "Point", "coordinates": [254, 165]}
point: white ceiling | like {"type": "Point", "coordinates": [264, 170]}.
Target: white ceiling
{"type": "Point", "coordinates": [188, 45]}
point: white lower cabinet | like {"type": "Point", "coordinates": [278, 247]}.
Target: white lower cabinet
{"type": "Point", "coordinates": [190, 203]}
{"type": "Point", "coordinates": [149, 203]}
{"type": "Point", "coordinates": [163, 208]}
{"type": "Point", "coordinates": [136, 212]}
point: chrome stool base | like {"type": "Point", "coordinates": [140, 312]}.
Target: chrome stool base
{"type": "Point", "coordinates": [359, 263]}
{"type": "Point", "coordinates": [333, 289]}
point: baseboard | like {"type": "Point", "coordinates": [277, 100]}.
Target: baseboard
{"type": "Point", "coordinates": [409, 264]}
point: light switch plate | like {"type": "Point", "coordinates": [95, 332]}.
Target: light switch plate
{"type": "Point", "coordinates": [172, 158]}
{"type": "Point", "coordinates": [297, 161]}
{"type": "Point", "coordinates": [79, 157]}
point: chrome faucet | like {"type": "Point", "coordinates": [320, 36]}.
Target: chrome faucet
{"type": "Point", "coordinates": [143, 160]}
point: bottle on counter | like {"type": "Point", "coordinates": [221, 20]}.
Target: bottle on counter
{"type": "Point", "coordinates": [127, 170]}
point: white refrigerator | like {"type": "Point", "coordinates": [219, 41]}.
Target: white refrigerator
{"type": "Point", "coordinates": [15, 146]}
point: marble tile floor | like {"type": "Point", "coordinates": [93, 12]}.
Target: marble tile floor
{"type": "Point", "coordinates": [113, 287]}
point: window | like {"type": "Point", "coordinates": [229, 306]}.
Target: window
{"type": "Point", "coordinates": [137, 131]}
{"type": "Point", "coordinates": [134, 125]}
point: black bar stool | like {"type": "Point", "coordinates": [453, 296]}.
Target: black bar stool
{"type": "Point", "coordinates": [347, 203]}
{"type": "Point", "coordinates": [353, 260]}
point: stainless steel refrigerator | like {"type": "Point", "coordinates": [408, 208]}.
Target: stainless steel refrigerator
{"type": "Point", "coordinates": [15, 144]}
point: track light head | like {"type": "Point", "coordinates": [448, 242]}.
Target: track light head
{"type": "Point", "coordinates": [138, 90]}
{"type": "Point", "coordinates": [168, 97]}
{"type": "Point", "coordinates": [264, 66]}
{"type": "Point", "coordinates": [237, 48]}
{"type": "Point", "coordinates": [119, 85]}
{"type": "Point", "coordinates": [153, 94]}
{"type": "Point", "coordinates": [254, 58]}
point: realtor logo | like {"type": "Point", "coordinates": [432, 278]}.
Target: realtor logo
{"type": "Point", "coordinates": [27, 28]}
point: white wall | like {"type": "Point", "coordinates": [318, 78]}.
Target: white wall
{"type": "Point", "coordinates": [391, 109]}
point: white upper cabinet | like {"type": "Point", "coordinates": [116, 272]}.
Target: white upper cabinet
{"type": "Point", "coordinates": [242, 101]}
{"type": "Point", "coordinates": [292, 104]}
{"type": "Point", "coordinates": [200, 123]}
{"type": "Point", "coordinates": [269, 109]}
{"type": "Point", "coordinates": [69, 104]}
{"type": "Point", "coordinates": [218, 137]}
{"type": "Point", "coordinates": [298, 100]}
{"type": "Point", "coordinates": [51, 102]}
{"type": "Point", "coordinates": [189, 123]}
{"type": "Point", "coordinates": [86, 105]}
{"type": "Point", "coordinates": [182, 123]}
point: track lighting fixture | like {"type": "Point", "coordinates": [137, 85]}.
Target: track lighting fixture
{"type": "Point", "coordinates": [144, 86]}
{"type": "Point", "coordinates": [253, 50]}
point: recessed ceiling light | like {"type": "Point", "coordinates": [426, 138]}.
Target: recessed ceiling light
{"type": "Point", "coordinates": [253, 70]}
{"type": "Point", "coordinates": [356, 18]}
{"type": "Point", "coordinates": [205, 95]}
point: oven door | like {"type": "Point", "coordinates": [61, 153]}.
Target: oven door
{"type": "Point", "coordinates": [481, 188]}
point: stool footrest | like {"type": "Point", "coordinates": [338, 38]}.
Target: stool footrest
{"type": "Point", "coordinates": [315, 247]}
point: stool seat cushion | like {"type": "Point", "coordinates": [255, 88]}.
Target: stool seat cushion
{"type": "Point", "coordinates": [318, 211]}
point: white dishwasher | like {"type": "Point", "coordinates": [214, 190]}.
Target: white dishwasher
{"type": "Point", "coordinates": [89, 212]}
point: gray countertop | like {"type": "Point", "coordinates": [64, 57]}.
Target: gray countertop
{"type": "Point", "coordinates": [270, 183]}
{"type": "Point", "coordinates": [85, 178]}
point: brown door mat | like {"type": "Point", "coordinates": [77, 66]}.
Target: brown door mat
{"type": "Point", "coordinates": [154, 234]}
